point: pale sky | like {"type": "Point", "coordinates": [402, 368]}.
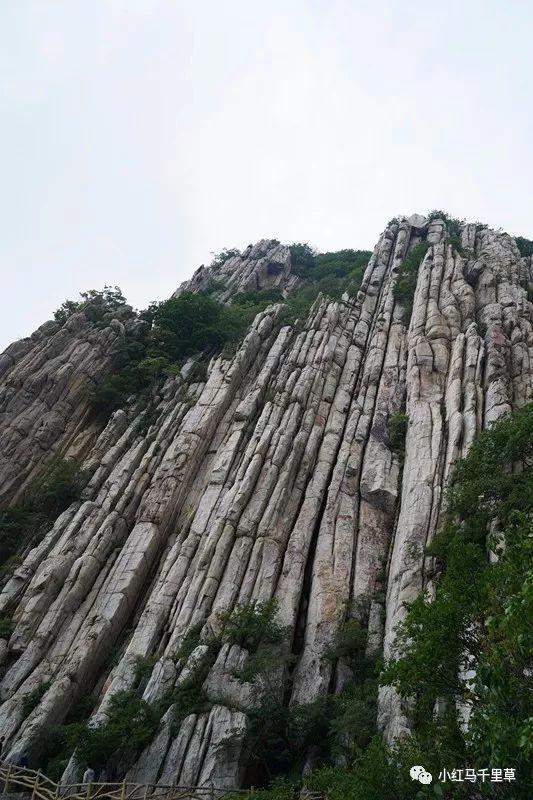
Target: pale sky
{"type": "Point", "coordinates": [140, 136]}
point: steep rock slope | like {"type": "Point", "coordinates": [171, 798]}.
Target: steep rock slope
{"type": "Point", "coordinates": [275, 478]}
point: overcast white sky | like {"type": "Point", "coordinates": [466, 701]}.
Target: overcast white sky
{"type": "Point", "coordinates": [139, 136]}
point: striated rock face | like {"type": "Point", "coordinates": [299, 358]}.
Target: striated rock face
{"type": "Point", "coordinates": [264, 265]}
{"type": "Point", "coordinates": [275, 477]}
{"type": "Point", "coordinates": [45, 383]}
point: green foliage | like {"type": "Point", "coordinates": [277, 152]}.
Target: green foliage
{"type": "Point", "coordinates": [32, 699]}
{"type": "Point", "coordinates": [404, 288]}
{"type": "Point", "coordinates": [525, 246]}
{"type": "Point", "coordinates": [453, 224]}
{"type": "Point", "coordinates": [213, 286]}
{"type": "Point", "coordinates": [178, 328]}
{"type": "Point", "coordinates": [187, 324]}
{"type": "Point", "coordinates": [331, 273]}
{"type": "Point", "coordinates": [281, 789]}
{"type": "Point", "coordinates": [302, 259]}
{"type": "Point", "coordinates": [197, 322]}
{"type": "Point", "coordinates": [455, 242]}
{"type": "Point", "coordinates": [397, 431]}
{"type": "Point", "coordinates": [350, 644]}
{"type": "Point", "coordinates": [220, 258]}
{"type": "Point", "coordinates": [299, 303]}
{"type": "Point", "coordinates": [252, 624]}
{"type": "Point", "coordinates": [82, 709]}
{"type": "Point", "coordinates": [435, 214]}
{"type": "Point", "coordinates": [189, 698]}
{"type": "Point", "coordinates": [377, 772]}
{"type": "Point", "coordinates": [143, 671]}
{"type": "Point", "coordinates": [113, 392]}
{"type": "Point", "coordinates": [95, 303]}
{"type": "Point", "coordinates": [190, 642]}
{"type": "Point", "coordinates": [372, 777]}
{"type": "Point", "coordinates": [263, 297]}
{"type": "Point", "coordinates": [6, 627]}
{"type": "Point", "coordinates": [58, 485]}
{"type": "Point", "coordinates": [352, 720]}
{"type": "Point", "coordinates": [279, 737]}
{"type": "Point", "coordinates": [131, 724]}
{"type": "Point", "coordinates": [482, 610]}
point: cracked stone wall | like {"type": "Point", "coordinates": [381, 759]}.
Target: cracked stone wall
{"type": "Point", "coordinates": [274, 477]}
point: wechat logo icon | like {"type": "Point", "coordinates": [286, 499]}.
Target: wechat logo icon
{"type": "Point", "coordinates": [421, 775]}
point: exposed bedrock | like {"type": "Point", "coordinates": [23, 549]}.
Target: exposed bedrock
{"type": "Point", "coordinates": [274, 477]}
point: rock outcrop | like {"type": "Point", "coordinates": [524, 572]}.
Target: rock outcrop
{"type": "Point", "coordinates": [273, 478]}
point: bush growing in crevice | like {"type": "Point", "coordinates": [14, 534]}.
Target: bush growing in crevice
{"type": "Point", "coordinates": [350, 645]}
{"type": "Point", "coordinates": [189, 697]}
{"type": "Point", "coordinates": [397, 431]}
{"type": "Point", "coordinates": [219, 259]}
{"type": "Point", "coordinates": [190, 642]}
{"type": "Point", "coordinates": [31, 700]}
{"type": "Point", "coordinates": [252, 624]}
{"type": "Point", "coordinates": [59, 484]}
{"type": "Point", "coordinates": [405, 285]}
{"type": "Point", "coordinates": [455, 242]}
{"type": "Point", "coordinates": [453, 224]}
{"type": "Point", "coordinates": [143, 670]}
{"type": "Point", "coordinates": [525, 246]}
{"type": "Point", "coordinates": [130, 726]}
{"type": "Point", "coordinates": [131, 721]}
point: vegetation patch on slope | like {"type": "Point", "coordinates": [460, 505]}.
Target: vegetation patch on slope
{"type": "Point", "coordinates": [331, 273]}
{"type": "Point", "coordinates": [23, 524]}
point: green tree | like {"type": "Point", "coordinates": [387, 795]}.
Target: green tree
{"type": "Point", "coordinates": [94, 302]}
{"type": "Point", "coordinates": [59, 484]}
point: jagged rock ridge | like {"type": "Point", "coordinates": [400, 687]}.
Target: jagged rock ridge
{"type": "Point", "coordinates": [273, 478]}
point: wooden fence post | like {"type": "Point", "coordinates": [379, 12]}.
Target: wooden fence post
{"type": "Point", "coordinates": [35, 784]}
{"type": "Point", "coordinates": [6, 784]}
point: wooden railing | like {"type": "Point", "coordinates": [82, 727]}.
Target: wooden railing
{"type": "Point", "coordinates": [14, 779]}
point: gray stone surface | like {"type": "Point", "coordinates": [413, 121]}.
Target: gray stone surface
{"type": "Point", "coordinates": [277, 468]}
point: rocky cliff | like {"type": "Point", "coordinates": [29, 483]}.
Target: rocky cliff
{"type": "Point", "coordinates": [274, 475]}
